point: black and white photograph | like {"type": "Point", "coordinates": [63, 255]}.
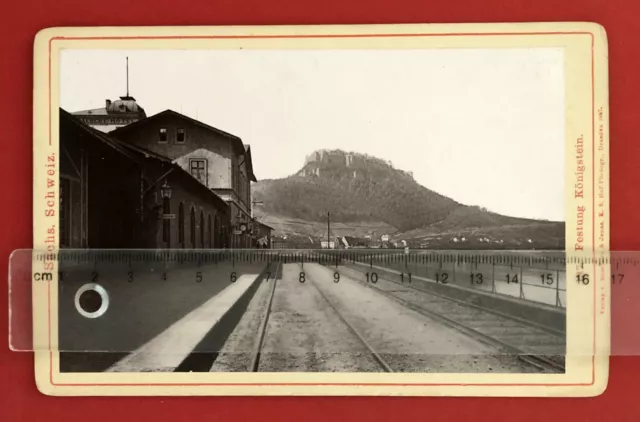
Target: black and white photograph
{"type": "Point", "coordinates": [329, 197]}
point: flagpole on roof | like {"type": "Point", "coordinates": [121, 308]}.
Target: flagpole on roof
{"type": "Point", "coordinates": [127, 76]}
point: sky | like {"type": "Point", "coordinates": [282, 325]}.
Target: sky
{"type": "Point", "coordinates": [482, 126]}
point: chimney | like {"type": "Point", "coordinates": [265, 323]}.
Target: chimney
{"type": "Point", "coordinates": [108, 103]}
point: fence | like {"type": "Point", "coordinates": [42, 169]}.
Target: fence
{"type": "Point", "coordinates": [536, 282]}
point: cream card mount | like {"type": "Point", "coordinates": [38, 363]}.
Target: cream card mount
{"type": "Point", "coordinates": [405, 210]}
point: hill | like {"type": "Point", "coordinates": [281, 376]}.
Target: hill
{"type": "Point", "coordinates": [365, 195]}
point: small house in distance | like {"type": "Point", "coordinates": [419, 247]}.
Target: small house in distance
{"type": "Point", "coordinates": [263, 235]}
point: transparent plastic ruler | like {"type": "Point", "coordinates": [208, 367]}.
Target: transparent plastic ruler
{"type": "Point", "coordinates": [188, 302]}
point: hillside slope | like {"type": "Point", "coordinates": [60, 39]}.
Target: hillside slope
{"type": "Point", "coordinates": [356, 188]}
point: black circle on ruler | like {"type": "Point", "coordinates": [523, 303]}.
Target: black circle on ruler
{"type": "Point", "coordinates": [90, 301]}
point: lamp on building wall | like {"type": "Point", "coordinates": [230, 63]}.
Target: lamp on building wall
{"type": "Point", "coordinates": [238, 220]}
{"type": "Point", "coordinates": [165, 190]}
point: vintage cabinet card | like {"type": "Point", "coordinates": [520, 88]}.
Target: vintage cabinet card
{"type": "Point", "coordinates": [321, 210]}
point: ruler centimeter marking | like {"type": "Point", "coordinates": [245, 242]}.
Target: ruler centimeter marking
{"type": "Point", "coordinates": [509, 258]}
{"type": "Point", "coordinates": [102, 260]}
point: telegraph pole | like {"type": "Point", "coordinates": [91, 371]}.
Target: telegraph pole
{"type": "Point", "coordinates": [253, 204]}
{"type": "Point", "coordinates": [328, 230]}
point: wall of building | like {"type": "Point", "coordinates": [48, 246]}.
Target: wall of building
{"type": "Point", "coordinates": [226, 168]}
{"type": "Point", "coordinates": [72, 212]}
{"type": "Point", "coordinates": [113, 203]}
{"type": "Point", "coordinates": [240, 241]}
{"type": "Point", "coordinates": [99, 207]}
{"type": "Point", "coordinates": [122, 209]}
{"type": "Point", "coordinates": [116, 120]}
{"type": "Point", "coordinates": [147, 135]}
{"type": "Point", "coordinates": [218, 174]}
{"type": "Point", "coordinates": [243, 184]}
{"type": "Point", "coordinates": [209, 229]}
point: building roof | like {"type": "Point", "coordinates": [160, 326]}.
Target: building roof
{"type": "Point", "coordinates": [125, 105]}
{"type": "Point", "coordinates": [65, 116]}
{"type": "Point", "coordinates": [105, 128]}
{"type": "Point", "coordinates": [236, 141]}
{"type": "Point", "coordinates": [176, 168]}
{"type": "Point", "coordinates": [221, 203]}
{"type": "Point", "coordinates": [93, 112]}
{"type": "Point", "coordinates": [170, 112]}
{"type": "Point", "coordinates": [264, 225]}
{"type": "Point", "coordinates": [138, 154]}
{"type": "Point", "coordinates": [145, 152]}
{"type": "Point", "coordinates": [252, 176]}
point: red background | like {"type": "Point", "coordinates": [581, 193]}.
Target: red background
{"type": "Point", "coordinates": [19, 398]}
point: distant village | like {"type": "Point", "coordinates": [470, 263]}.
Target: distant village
{"type": "Point", "coordinates": [385, 241]}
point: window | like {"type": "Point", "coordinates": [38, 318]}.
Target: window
{"type": "Point", "coordinates": [217, 232]}
{"type": "Point", "coordinates": [210, 233]}
{"type": "Point", "coordinates": [180, 136]}
{"type": "Point", "coordinates": [162, 136]}
{"type": "Point", "coordinates": [181, 225]}
{"type": "Point", "coordinates": [193, 227]}
{"type": "Point", "coordinates": [166, 223]}
{"type": "Point", "coordinates": [198, 169]}
{"type": "Point", "coordinates": [201, 229]}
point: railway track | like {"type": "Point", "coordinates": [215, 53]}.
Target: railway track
{"type": "Point", "coordinates": [544, 349]}
{"type": "Point", "coordinates": [376, 356]}
{"type": "Point", "coordinates": [255, 360]}
{"type": "Point", "coordinates": [255, 355]}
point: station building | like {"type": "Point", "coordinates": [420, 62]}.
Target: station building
{"type": "Point", "coordinates": [219, 160]}
{"type": "Point", "coordinates": [118, 195]}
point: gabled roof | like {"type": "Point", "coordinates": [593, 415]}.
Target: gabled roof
{"type": "Point", "coordinates": [176, 167]}
{"type": "Point", "coordinates": [236, 141]}
{"type": "Point", "coordinates": [93, 112]}
{"type": "Point", "coordinates": [264, 225]}
{"type": "Point", "coordinates": [65, 116]}
{"type": "Point", "coordinates": [138, 154]}
{"type": "Point", "coordinates": [170, 112]}
{"type": "Point", "coordinates": [124, 106]}
{"type": "Point", "coordinates": [145, 152]}
{"type": "Point", "coordinates": [252, 176]}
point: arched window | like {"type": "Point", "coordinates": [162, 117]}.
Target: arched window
{"type": "Point", "coordinates": [201, 229]}
{"type": "Point", "coordinates": [166, 223]}
{"type": "Point", "coordinates": [217, 240]}
{"type": "Point", "coordinates": [181, 239]}
{"type": "Point", "coordinates": [210, 231]}
{"type": "Point", "coordinates": [193, 227]}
